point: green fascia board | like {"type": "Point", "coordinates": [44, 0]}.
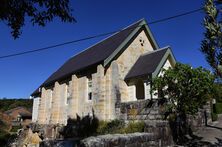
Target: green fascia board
{"type": "Point", "coordinates": [163, 61]}
{"type": "Point", "coordinates": [152, 39]}
{"type": "Point", "coordinates": [122, 45]}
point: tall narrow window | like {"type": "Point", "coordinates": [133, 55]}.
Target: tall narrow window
{"type": "Point", "coordinates": [140, 94]}
{"type": "Point", "coordinates": [90, 87]}
{"type": "Point", "coordinates": [68, 94]}
{"type": "Point", "coordinates": [50, 98]}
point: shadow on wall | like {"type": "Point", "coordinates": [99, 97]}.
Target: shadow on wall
{"type": "Point", "coordinates": [80, 127]}
{"type": "Point", "coordinates": [118, 94]}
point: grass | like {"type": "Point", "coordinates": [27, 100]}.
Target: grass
{"type": "Point", "coordinates": [218, 108]}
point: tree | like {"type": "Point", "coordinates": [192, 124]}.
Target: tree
{"type": "Point", "coordinates": [185, 89]}
{"type": "Point", "coordinates": [40, 12]}
{"type": "Point", "coordinates": [211, 45]}
{"type": "Point", "coordinates": [217, 92]}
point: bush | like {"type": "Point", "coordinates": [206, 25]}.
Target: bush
{"type": "Point", "coordinates": [218, 107]}
{"type": "Point", "coordinates": [15, 128]}
{"type": "Point", "coordinates": [214, 116]}
{"type": "Point", "coordinates": [114, 126]}
{"type": "Point", "coordinates": [6, 138]}
{"type": "Point", "coordinates": [217, 92]}
{"type": "Point", "coordinates": [89, 126]}
{"type": "Point", "coordinates": [133, 127]}
{"type": "Point", "coordinates": [7, 104]}
{"type": "Point", "coordinates": [118, 126]}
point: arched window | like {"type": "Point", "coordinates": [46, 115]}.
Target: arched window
{"type": "Point", "coordinates": [140, 93]}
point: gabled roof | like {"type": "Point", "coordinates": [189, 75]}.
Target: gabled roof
{"type": "Point", "coordinates": [102, 52]}
{"type": "Point", "coordinates": [150, 63]}
{"type": "Point", "coordinates": [19, 108]}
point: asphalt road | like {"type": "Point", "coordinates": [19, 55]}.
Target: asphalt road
{"type": "Point", "coordinates": [210, 135]}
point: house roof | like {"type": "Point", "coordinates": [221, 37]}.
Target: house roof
{"type": "Point", "coordinates": [149, 63]}
{"type": "Point", "coordinates": [18, 109]}
{"type": "Point", "coordinates": [102, 52]}
{"type": "Point", "coordinates": [25, 114]}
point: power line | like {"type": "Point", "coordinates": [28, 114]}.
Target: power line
{"type": "Point", "coordinates": [176, 16]}
{"type": "Point", "coordinates": [99, 35]}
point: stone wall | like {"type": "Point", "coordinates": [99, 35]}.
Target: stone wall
{"type": "Point", "coordinates": [161, 130]}
{"type": "Point", "coordinates": [112, 140]}
{"type": "Point", "coordinates": [139, 110]}
{"type": "Point", "coordinates": [127, 59]}
{"type": "Point", "coordinates": [202, 118]}
{"type": "Point", "coordinates": [148, 110]}
{"type": "Point", "coordinates": [152, 113]}
{"type": "Point", "coordinates": [122, 140]}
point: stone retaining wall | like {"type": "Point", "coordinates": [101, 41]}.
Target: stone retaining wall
{"type": "Point", "coordinates": [202, 118]}
{"type": "Point", "coordinates": [122, 140]}
{"type": "Point", "coordinates": [148, 110]}
{"type": "Point", "coordinates": [161, 130]}
{"type": "Point", "coordinates": [139, 110]}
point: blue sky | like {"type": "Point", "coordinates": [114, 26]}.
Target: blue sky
{"type": "Point", "coordinates": [21, 75]}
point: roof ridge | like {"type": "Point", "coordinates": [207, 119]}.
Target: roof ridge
{"type": "Point", "coordinates": [166, 47]}
{"type": "Point", "coordinates": [142, 19]}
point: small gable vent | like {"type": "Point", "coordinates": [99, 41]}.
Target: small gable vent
{"type": "Point", "coordinates": [141, 42]}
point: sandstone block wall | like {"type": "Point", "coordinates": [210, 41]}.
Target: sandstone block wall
{"type": "Point", "coordinates": [139, 110]}
{"type": "Point", "coordinates": [43, 106]}
{"type": "Point", "coordinates": [108, 88]}
{"type": "Point", "coordinates": [74, 102]}
{"type": "Point", "coordinates": [35, 109]}
{"type": "Point", "coordinates": [58, 104]}
{"type": "Point", "coordinates": [127, 59]}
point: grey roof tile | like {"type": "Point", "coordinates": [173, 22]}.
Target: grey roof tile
{"type": "Point", "coordinates": [146, 64]}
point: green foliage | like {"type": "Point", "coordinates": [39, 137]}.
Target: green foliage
{"type": "Point", "coordinates": [111, 127]}
{"type": "Point", "coordinates": [2, 124]}
{"type": "Point", "coordinates": [186, 88]}
{"type": "Point", "coordinates": [214, 116]}
{"type": "Point", "coordinates": [7, 104]}
{"type": "Point", "coordinates": [217, 92]}
{"type": "Point", "coordinates": [118, 126]}
{"type": "Point", "coordinates": [6, 138]}
{"type": "Point", "coordinates": [40, 12]}
{"type": "Point", "coordinates": [218, 107]}
{"type": "Point", "coordinates": [211, 45]}
{"type": "Point", "coordinates": [133, 127]}
{"type": "Point", "coordinates": [3, 137]}
{"type": "Point", "coordinates": [15, 128]}
{"type": "Point", "coordinates": [88, 126]}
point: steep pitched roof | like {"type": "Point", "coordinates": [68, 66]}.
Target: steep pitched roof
{"type": "Point", "coordinates": [148, 63]}
{"type": "Point", "coordinates": [102, 52]}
